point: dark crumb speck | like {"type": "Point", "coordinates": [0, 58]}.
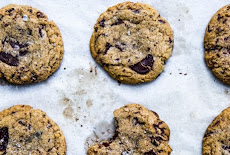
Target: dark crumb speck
{"type": "Point", "coordinates": [95, 69]}
{"type": "Point", "coordinates": [226, 92]}
{"type": "Point", "coordinates": [119, 83]}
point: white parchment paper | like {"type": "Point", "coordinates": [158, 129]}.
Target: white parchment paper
{"type": "Point", "coordinates": [81, 97]}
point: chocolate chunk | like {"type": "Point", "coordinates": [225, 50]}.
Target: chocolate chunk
{"type": "Point", "coordinates": [3, 41]}
{"type": "Point", "coordinates": [1, 16]}
{"type": "Point", "coordinates": [159, 139]}
{"type": "Point", "coordinates": [118, 47]}
{"type": "Point", "coordinates": [8, 59]}
{"type": "Point", "coordinates": [23, 45]}
{"type": "Point", "coordinates": [107, 47]}
{"type": "Point", "coordinates": [115, 135]}
{"type": "Point", "coordinates": [144, 66]}
{"type": "Point", "coordinates": [4, 138]}
{"type": "Point", "coordinates": [170, 40]}
{"type": "Point", "coordinates": [34, 77]}
{"type": "Point", "coordinates": [21, 123]}
{"type": "Point", "coordinates": [209, 30]}
{"type": "Point", "coordinates": [38, 135]}
{"type": "Point", "coordinates": [219, 17]}
{"type": "Point", "coordinates": [29, 32]}
{"type": "Point", "coordinates": [155, 113]}
{"type": "Point", "coordinates": [12, 9]}
{"type": "Point", "coordinates": [14, 44]}
{"type": "Point", "coordinates": [217, 122]}
{"type": "Point", "coordinates": [208, 134]}
{"type": "Point", "coordinates": [150, 153]}
{"type": "Point", "coordinates": [161, 21]}
{"type": "Point", "coordinates": [226, 147]}
{"type": "Point", "coordinates": [40, 14]}
{"type": "Point", "coordinates": [102, 23]}
{"type": "Point", "coordinates": [50, 149]}
{"type": "Point", "coordinates": [22, 53]}
{"type": "Point", "coordinates": [137, 11]}
{"type": "Point", "coordinates": [40, 32]}
{"type": "Point", "coordinates": [29, 127]}
{"type": "Point", "coordinates": [117, 59]}
{"type": "Point", "coordinates": [154, 142]}
{"type": "Point", "coordinates": [105, 144]}
{"type": "Point", "coordinates": [136, 121]}
{"type": "Point", "coordinates": [219, 30]}
{"type": "Point", "coordinates": [118, 22]}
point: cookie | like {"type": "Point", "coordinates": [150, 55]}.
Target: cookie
{"type": "Point", "coordinates": [139, 131]}
{"type": "Point", "coordinates": [217, 44]}
{"type": "Point", "coordinates": [31, 46]}
{"type": "Point", "coordinates": [216, 140]}
{"type": "Point", "coordinates": [29, 132]}
{"type": "Point", "coordinates": [132, 42]}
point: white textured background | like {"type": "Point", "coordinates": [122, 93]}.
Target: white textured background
{"type": "Point", "coordinates": [82, 102]}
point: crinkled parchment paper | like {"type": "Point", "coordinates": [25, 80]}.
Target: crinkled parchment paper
{"type": "Point", "coordinates": [81, 97]}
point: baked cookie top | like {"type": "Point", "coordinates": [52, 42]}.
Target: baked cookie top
{"type": "Point", "coordinates": [217, 44]}
{"type": "Point", "coordinates": [132, 42]}
{"type": "Point", "coordinates": [216, 140]}
{"type": "Point", "coordinates": [139, 131]}
{"type": "Point", "coordinates": [28, 131]}
{"type": "Point", "coordinates": [31, 46]}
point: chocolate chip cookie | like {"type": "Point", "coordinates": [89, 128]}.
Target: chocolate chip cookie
{"type": "Point", "coordinates": [216, 140]}
{"type": "Point", "coordinates": [31, 46]}
{"type": "Point", "coordinates": [132, 42]}
{"type": "Point", "coordinates": [139, 131]}
{"type": "Point", "coordinates": [26, 131]}
{"type": "Point", "coordinates": [217, 44]}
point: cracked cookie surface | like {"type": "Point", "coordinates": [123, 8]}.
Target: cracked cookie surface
{"type": "Point", "coordinates": [132, 42]}
{"type": "Point", "coordinates": [31, 46]}
{"type": "Point", "coordinates": [139, 131]}
{"type": "Point", "coordinates": [217, 44]}
{"type": "Point", "coordinates": [216, 140]}
{"type": "Point", "coordinates": [28, 131]}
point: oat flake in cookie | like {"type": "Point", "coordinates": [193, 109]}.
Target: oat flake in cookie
{"type": "Point", "coordinates": [31, 46]}
{"type": "Point", "coordinates": [26, 131]}
{"type": "Point", "coordinates": [217, 44]}
{"type": "Point", "coordinates": [216, 140]}
{"type": "Point", "coordinates": [139, 131]}
{"type": "Point", "coordinates": [132, 42]}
